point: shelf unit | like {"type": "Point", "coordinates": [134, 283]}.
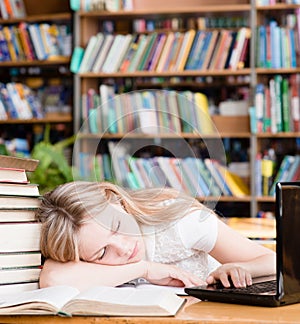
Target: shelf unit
{"type": "Point", "coordinates": [87, 24]}
{"type": "Point", "coordinates": [48, 70]}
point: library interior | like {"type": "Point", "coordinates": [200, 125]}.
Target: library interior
{"type": "Point", "coordinates": [199, 96]}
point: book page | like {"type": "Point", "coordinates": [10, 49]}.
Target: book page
{"type": "Point", "coordinates": [56, 297]}
{"type": "Point", "coordinates": [123, 301]}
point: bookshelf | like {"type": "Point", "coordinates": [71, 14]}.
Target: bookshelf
{"type": "Point", "coordinates": [218, 84]}
{"type": "Point", "coordinates": [44, 72]}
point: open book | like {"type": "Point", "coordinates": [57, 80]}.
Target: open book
{"type": "Point", "coordinates": [96, 301]}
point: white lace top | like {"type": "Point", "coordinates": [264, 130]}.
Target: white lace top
{"type": "Point", "coordinates": [185, 243]}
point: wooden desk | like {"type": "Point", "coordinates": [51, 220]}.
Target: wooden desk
{"type": "Point", "coordinates": [194, 312]}
{"type": "Point", "coordinates": [262, 229]}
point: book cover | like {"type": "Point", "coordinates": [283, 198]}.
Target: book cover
{"type": "Point", "coordinates": [150, 47]}
{"type": "Point", "coordinates": [210, 49]}
{"type": "Point", "coordinates": [165, 52]}
{"type": "Point", "coordinates": [236, 184]}
{"type": "Point", "coordinates": [37, 41]}
{"type": "Point", "coordinates": [142, 44]}
{"type": "Point", "coordinates": [195, 50]}
{"type": "Point", "coordinates": [20, 260]}
{"type": "Point", "coordinates": [204, 49]}
{"type": "Point", "coordinates": [26, 41]}
{"type": "Point", "coordinates": [285, 105]}
{"type": "Point", "coordinates": [18, 8]}
{"type": "Point", "coordinates": [88, 52]}
{"type": "Point", "coordinates": [105, 48]}
{"type": "Point", "coordinates": [185, 50]}
{"type": "Point", "coordinates": [130, 53]}
{"type": "Point", "coordinates": [19, 163]}
{"type": "Point", "coordinates": [157, 53]}
{"type": "Point", "coordinates": [8, 35]}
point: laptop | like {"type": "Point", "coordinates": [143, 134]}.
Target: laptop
{"type": "Point", "coordinates": [284, 288]}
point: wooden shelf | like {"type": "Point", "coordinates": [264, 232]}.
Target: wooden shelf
{"type": "Point", "coordinates": [265, 199]}
{"type": "Point", "coordinates": [279, 135]}
{"type": "Point", "coordinates": [166, 74]}
{"type": "Point", "coordinates": [246, 199]}
{"type": "Point", "coordinates": [64, 118]}
{"type": "Point", "coordinates": [163, 136]}
{"type": "Point", "coordinates": [174, 10]}
{"type": "Point", "coordinates": [52, 61]}
{"type": "Point", "coordinates": [277, 6]}
{"type": "Point", "coordinates": [277, 71]}
{"type": "Point", "coordinates": [38, 18]}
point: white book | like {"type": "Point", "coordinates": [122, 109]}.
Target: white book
{"type": "Point", "coordinates": [20, 259]}
{"type": "Point", "coordinates": [123, 47]}
{"type": "Point", "coordinates": [17, 288]}
{"type": "Point", "coordinates": [18, 275]}
{"type": "Point", "coordinates": [19, 237]}
{"type": "Point", "coordinates": [236, 52]}
{"type": "Point", "coordinates": [96, 301]}
{"type": "Point", "coordinates": [87, 54]}
{"type": "Point", "coordinates": [108, 40]}
{"type": "Point", "coordinates": [108, 65]}
{"type": "Point", "coordinates": [95, 53]}
{"type": "Point", "coordinates": [18, 8]}
{"type": "Point", "coordinates": [37, 41]}
{"type": "Point", "coordinates": [164, 163]}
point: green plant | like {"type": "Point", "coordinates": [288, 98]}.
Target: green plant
{"type": "Point", "coordinates": [53, 168]}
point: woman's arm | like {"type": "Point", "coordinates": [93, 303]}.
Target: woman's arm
{"type": "Point", "coordinates": [242, 258]}
{"type": "Point", "coordinates": [83, 275]}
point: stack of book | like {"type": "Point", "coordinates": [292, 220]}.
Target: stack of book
{"type": "Point", "coordinates": [20, 256]}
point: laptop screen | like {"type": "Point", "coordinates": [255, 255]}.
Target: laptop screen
{"type": "Point", "coordinates": [288, 237]}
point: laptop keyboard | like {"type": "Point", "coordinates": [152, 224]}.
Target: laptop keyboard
{"type": "Point", "coordinates": [266, 288]}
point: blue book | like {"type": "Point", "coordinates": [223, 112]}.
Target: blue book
{"type": "Point", "coordinates": [261, 47]}
{"type": "Point", "coordinates": [203, 51]}
{"type": "Point", "coordinates": [293, 58]}
{"type": "Point", "coordinates": [191, 60]}
{"type": "Point", "coordinates": [275, 45]}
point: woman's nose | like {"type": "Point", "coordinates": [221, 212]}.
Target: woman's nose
{"type": "Point", "coordinates": [121, 245]}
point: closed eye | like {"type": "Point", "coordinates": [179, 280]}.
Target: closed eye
{"type": "Point", "coordinates": [102, 253]}
{"type": "Point", "coordinates": [117, 227]}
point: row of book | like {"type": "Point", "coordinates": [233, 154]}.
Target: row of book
{"type": "Point", "coordinates": [32, 41]}
{"type": "Point", "coordinates": [146, 111]}
{"type": "Point", "coordinates": [20, 256]}
{"type": "Point", "coordinates": [273, 2]}
{"type": "Point", "coordinates": [173, 51]}
{"type": "Point", "coordinates": [195, 176]}
{"type": "Point", "coordinates": [142, 25]}
{"type": "Point", "coordinates": [96, 5]}
{"type": "Point", "coordinates": [12, 9]}
{"type": "Point", "coordinates": [277, 105]}
{"type": "Point", "coordinates": [18, 101]}
{"type": "Point", "coordinates": [277, 46]}
{"type": "Point", "coordinates": [265, 179]}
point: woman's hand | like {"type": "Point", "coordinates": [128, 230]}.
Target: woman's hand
{"type": "Point", "coordinates": [239, 276]}
{"type": "Point", "coordinates": [170, 275]}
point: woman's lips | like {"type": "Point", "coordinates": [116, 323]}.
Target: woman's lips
{"type": "Point", "coordinates": [134, 252]}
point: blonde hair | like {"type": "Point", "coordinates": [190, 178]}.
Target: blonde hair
{"type": "Point", "coordinates": [66, 208]}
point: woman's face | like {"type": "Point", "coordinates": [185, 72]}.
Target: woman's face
{"type": "Point", "coordinates": [112, 238]}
